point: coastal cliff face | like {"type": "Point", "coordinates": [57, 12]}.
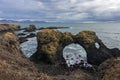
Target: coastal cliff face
{"type": "Point", "coordinates": [52, 42]}
{"type": "Point", "coordinates": [13, 65]}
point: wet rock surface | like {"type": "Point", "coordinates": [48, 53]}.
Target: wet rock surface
{"type": "Point", "coordinates": [31, 35]}
{"type": "Point", "coordinates": [53, 27]}
{"type": "Point", "coordinates": [22, 39]}
{"type": "Point", "coordinates": [21, 34]}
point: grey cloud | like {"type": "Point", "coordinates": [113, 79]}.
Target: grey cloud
{"type": "Point", "coordinates": [61, 10]}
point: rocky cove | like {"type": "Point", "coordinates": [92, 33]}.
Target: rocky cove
{"type": "Point", "coordinates": [48, 63]}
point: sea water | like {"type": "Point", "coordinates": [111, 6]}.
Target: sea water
{"type": "Point", "coordinates": [109, 33]}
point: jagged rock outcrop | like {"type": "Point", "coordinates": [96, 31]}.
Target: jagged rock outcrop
{"type": "Point", "coordinates": [13, 64]}
{"type": "Point", "coordinates": [30, 28]}
{"type": "Point", "coordinates": [110, 69]}
{"type": "Point", "coordinates": [52, 42]}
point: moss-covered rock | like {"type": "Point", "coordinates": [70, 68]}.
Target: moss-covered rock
{"type": "Point", "coordinates": [52, 42]}
{"type": "Point", "coordinates": [48, 41]}
{"type": "Point", "coordinates": [86, 37]}
{"type": "Point", "coordinates": [48, 44]}
{"type": "Point", "coordinates": [67, 38]}
{"type": "Point", "coordinates": [110, 69]}
{"type": "Point", "coordinates": [48, 35]}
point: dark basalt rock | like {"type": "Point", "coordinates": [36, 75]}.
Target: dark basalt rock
{"type": "Point", "coordinates": [52, 27]}
{"type": "Point", "coordinates": [25, 38]}
{"type": "Point", "coordinates": [21, 34]}
{"type": "Point", "coordinates": [22, 39]}
{"type": "Point", "coordinates": [52, 42]}
{"type": "Point", "coordinates": [31, 35]}
{"type": "Point", "coordinates": [30, 28]}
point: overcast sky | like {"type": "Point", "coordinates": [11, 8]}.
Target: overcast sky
{"type": "Point", "coordinates": [61, 10]}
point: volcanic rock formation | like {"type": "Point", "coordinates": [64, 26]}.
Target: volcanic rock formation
{"type": "Point", "coordinates": [52, 42]}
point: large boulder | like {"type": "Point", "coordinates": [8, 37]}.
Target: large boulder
{"type": "Point", "coordinates": [52, 42]}
{"type": "Point", "coordinates": [110, 69]}
{"type": "Point", "coordinates": [30, 28]}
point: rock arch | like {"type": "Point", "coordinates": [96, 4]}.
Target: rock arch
{"type": "Point", "coordinates": [52, 42]}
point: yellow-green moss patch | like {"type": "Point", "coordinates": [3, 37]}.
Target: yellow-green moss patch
{"type": "Point", "coordinates": [87, 36]}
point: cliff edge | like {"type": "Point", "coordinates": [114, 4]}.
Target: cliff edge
{"type": "Point", "coordinates": [13, 64]}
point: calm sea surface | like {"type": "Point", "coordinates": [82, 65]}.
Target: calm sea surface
{"type": "Point", "coordinates": [109, 33]}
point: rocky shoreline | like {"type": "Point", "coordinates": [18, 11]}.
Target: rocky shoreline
{"type": "Point", "coordinates": [47, 63]}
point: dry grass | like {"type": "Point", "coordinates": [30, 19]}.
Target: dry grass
{"type": "Point", "coordinates": [13, 65]}
{"type": "Point", "coordinates": [4, 27]}
{"type": "Point", "coordinates": [110, 69]}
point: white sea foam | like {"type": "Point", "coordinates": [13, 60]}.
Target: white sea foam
{"type": "Point", "coordinates": [74, 54]}
{"type": "Point", "coordinates": [29, 47]}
